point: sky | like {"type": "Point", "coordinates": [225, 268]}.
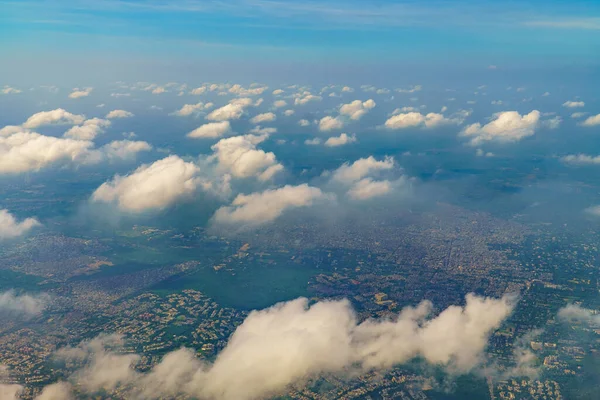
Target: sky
{"type": "Point", "coordinates": [243, 38]}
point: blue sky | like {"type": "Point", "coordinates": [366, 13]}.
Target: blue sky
{"type": "Point", "coordinates": [455, 33]}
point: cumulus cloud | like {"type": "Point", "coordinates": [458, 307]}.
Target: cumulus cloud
{"type": "Point", "coordinates": [368, 188]}
{"type": "Point", "coordinates": [347, 89]}
{"type": "Point", "coordinates": [260, 208]}
{"type": "Point", "coordinates": [312, 142]}
{"type": "Point", "coordinates": [594, 210]}
{"type": "Point", "coordinates": [88, 130]}
{"type": "Point", "coordinates": [573, 104]}
{"type": "Point", "coordinates": [304, 122]}
{"type": "Point", "coordinates": [592, 121]}
{"type": "Point", "coordinates": [30, 151]}
{"type": "Point", "coordinates": [279, 103]}
{"type": "Point", "coordinates": [56, 391]}
{"type": "Point", "coordinates": [252, 91]}
{"type": "Point", "coordinates": [292, 342]}
{"type": "Point", "coordinates": [11, 228]}
{"type": "Point", "coordinates": [329, 123]}
{"type": "Point", "coordinates": [211, 130]}
{"type": "Point", "coordinates": [189, 109]}
{"type": "Point", "coordinates": [119, 114]}
{"type": "Point", "coordinates": [305, 97]}
{"type": "Point", "coordinates": [150, 187]}
{"type": "Point", "coordinates": [54, 117]}
{"type": "Point", "coordinates": [506, 127]}
{"type": "Point", "coordinates": [11, 303]}
{"type": "Point", "coordinates": [265, 117]}
{"type": "Point", "coordinates": [289, 113]}
{"type": "Point", "coordinates": [277, 92]}
{"type": "Point", "coordinates": [576, 313]}
{"type": "Point", "coordinates": [340, 140]}
{"type": "Point", "coordinates": [233, 110]}
{"type": "Point", "coordinates": [122, 149]}
{"type": "Point", "coordinates": [9, 90]}
{"type": "Point", "coordinates": [239, 156]}
{"type": "Point", "coordinates": [78, 93]}
{"type": "Point", "coordinates": [356, 109]}
{"type": "Point", "coordinates": [349, 173]}
{"type": "Point", "coordinates": [198, 91]}
{"type": "Point", "coordinates": [416, 119]}
{"type": "Point", "coordinates": [413, 89]}
{"type": "Point", "coordinates": [581, 159]}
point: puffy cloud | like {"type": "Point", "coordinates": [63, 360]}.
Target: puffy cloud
{"type": "Point", "coordinates": [304, 122]}
{"type": "Point", "coordinates": [189, 109]}
{"type": "Point", "coordinates": [56, 391]}
{"type": "Point", "coordinates": [330, 123]}
{"type": "Point", "coordinates": [413, 89]}
{"type": "Point", "coordinates": [88, 130]}
{"type": "Point", "coordinates": [507, 126]}
{"type": "Point", "coordinates": [347, 89]}
{"type": "Point", "coordinates": [416, 119]}
{"type": "Point", "coordinates": [123, 149]}
{"type": "Point", "coordinates": [592, 121]}
{"type": "Point", "coordinates": [211, 130]}
{"type": "Point", "coordinates": [573, 104]}
{"type": "Point", "coordinates": [252, 91]}
{"type": "Point", "coordinates": [119, 114]}
{"type": "Point", "coordinates": [239, 156]}
{"type": "Point", "coordinates": [368, 188]}
{"type": "Point", "coordinates": [340, 140]}
{"type": "Point", "coordinates": [356, 109]}
{"type": "Point", "coordinates": [258, 130]}
{"type": "Point", "coordinates": [21, 304]}
{"type": "Point", "coordinates": [159, 90]}
{"type": "Point", "coordinates": [199, 90]}
{"type": "Point", "coordinates": [580, 115]}
{"type": "Point", "coordinates": [150, 187]}
{"type": "Point", "coordinates": [277, 92]}
{"type": "Point", "coordinates": [305, 97]}
{"type": "Point", "coordinates": [575, 313]}
{"type": "Point", "coordinates": [349, 173]}
{"type": "Point", "coordinates": [312, 142]}
{"type": "Point", "coordinates": [10, 227]}
{"type": "Point", "coordinates": [581, 159]}
{"type": "Point", "coordinates": [292, 342]}
{"type": "Point", "coordinates": [279, 103]}
{"type": "Point", "coordinates": [289, 113]}
{"type": "Point", "coordinates": [9, 90]}
{"type": "Point", "coordinates": [54, 117]}
{"type": "Point", "coordinates": [594, 210]}
{"type": "Point", "coordinates": [260, 208]}
{"type": "Point", "coordinates": [77, 93]}
{"type": "Point", "coordinates": [233, 110]}
{"type": "Point", "coordinates": [30, 151]}
{"type": "Point", "coordinates": [265, 117]}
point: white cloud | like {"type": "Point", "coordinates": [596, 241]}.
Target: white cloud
{"type": "Point", "coordinates": [150, 187]}
{"type": "Point", "coordinates": [199, 90]}
{"type": "Point", "coordinates": [312, 142]}
{"type": "Point", "coordinates": [30, 151]}
{"type": "Point", "coordinates": [579, 115]}
{"type": "Point", "coordinates": [356, 109]}
{"type": "Point", "coordinates": [253, 91]}
{"type": "Point", "coordinates": [506, 127]}
{"type": "Point", "coordinates": [259, 130]}
{"type": "Point", "coordinates": [292, 342]}
{"type": "Point", "coordinates": [119, 114]}
{"type": "Point", "coordinates": [239, 156]}
{"type": "Point", "coordinates": [159, 90]}
{"type": "Point", "coordinates": [9, 90]}
{"type": "Point", "coordinates": [416, 119]}
{"type": "Point", "coordinates": [56, 391]}
{"type": "Point", "coordinates": [289, 113]}
{"type": "Point", "coordinates": [279, 103]}
{"type": "Point", "coordinates": [347, 89]}
{"type": "Point", "coordinates": [123, 149]}
{"type": "Point", "coordinates": [211, 130]}
{"type": "Point", "coordinates": [573, 104]}
{"type": "Point", "coordinates": [189, 109]}
{"type": "Point", "coordinates": [12, 303]}
{"type": "Point", "coordinates": [368, 188]}
{"type": "Point", "coordinates": [340, 140]}
{"type": "Point", "coordinates": [575, 313]}
{"type": "Point", "coordinates": [54, 117]}
{"type": "Point", "coordinates": [88, 130]}
{"type": "Point", "coordinates": [413, 89]}
{"type": "Point", "coordinates": [233, 110]}
{"type": "Point", "coordinates": [260, 208]}
{"type": "Point", "coordinates": [277, 92]}
{"type": "Point", "coordinates": [592, 121]}
{"type": "Point", "coordinates": [349, 173]}
{"type": "Point", "coordinates": [304, 122]}
{"type": "Point", "coordinates": [581, 159]}
{"type": "Point", "coordinates": [329, 123]}
{"type": "Point", "coordinates": [78, 93]}
{"type": "Point", "coordinates": [11, 228]}
{"type": "Point", "coordinates": [305, 97]}
{"type": "Point", "coordinates": [265, 117]}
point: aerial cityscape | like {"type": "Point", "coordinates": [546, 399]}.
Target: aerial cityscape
{"type": "Point", "coordinates": [254, 200]}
